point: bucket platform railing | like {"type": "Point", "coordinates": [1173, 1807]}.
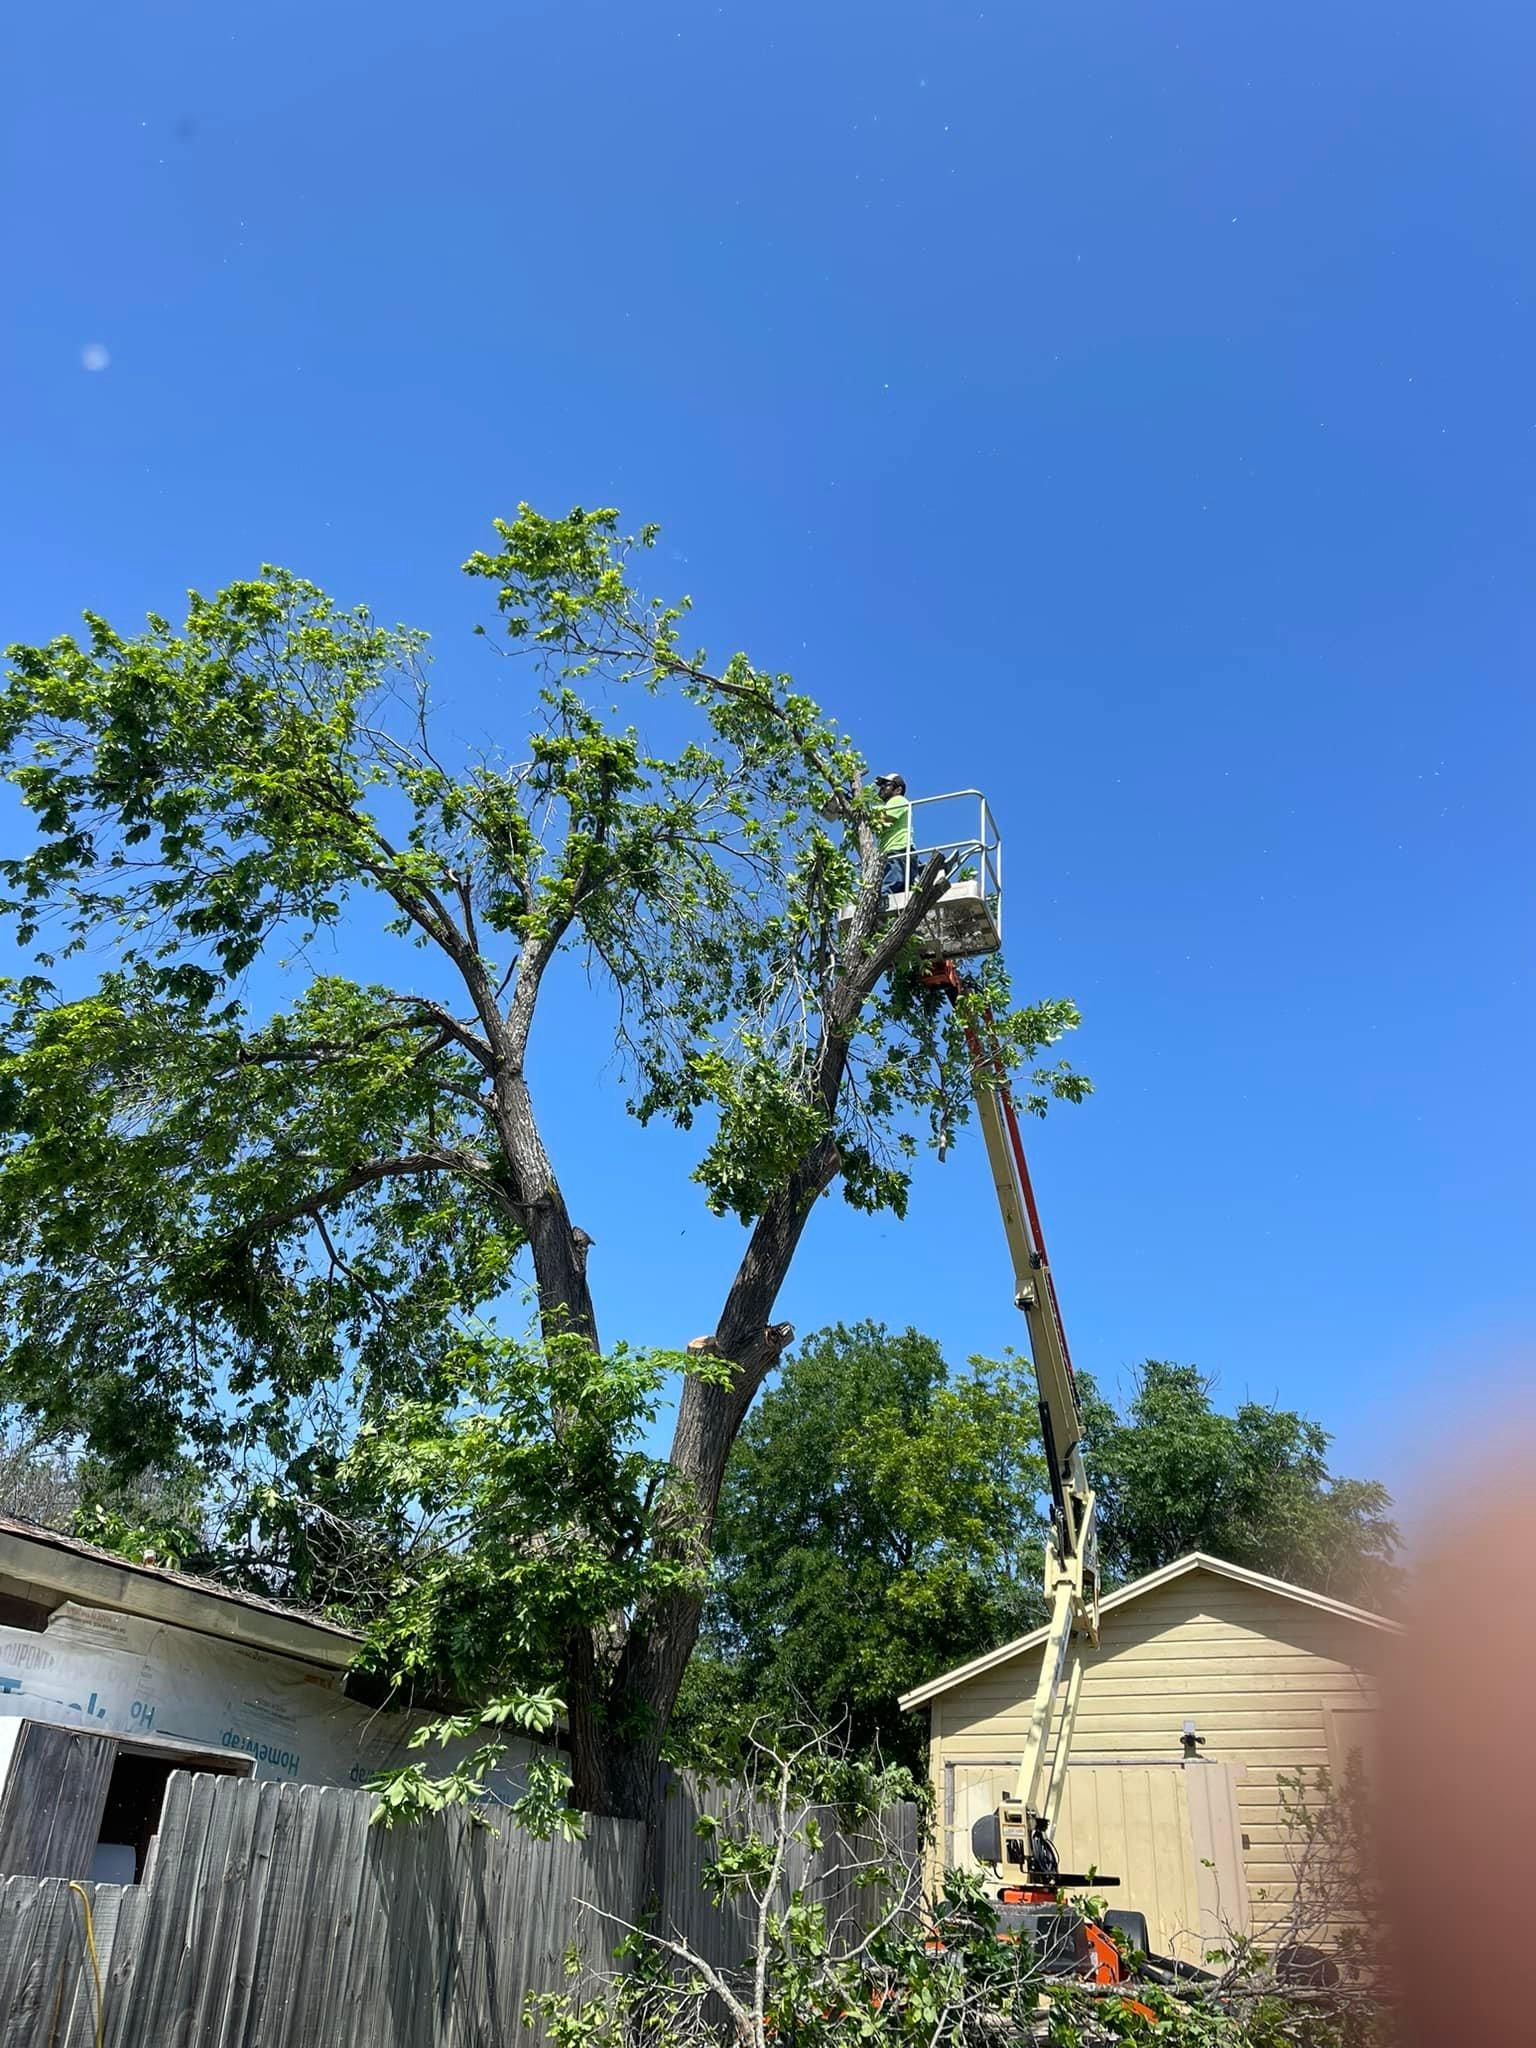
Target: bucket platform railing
{"type": "Point", "coordinates": [968, 918]}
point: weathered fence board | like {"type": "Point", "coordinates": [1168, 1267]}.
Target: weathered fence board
{"type": "Point", "coordinates": [52, 1798]}
{"type": "Point", "coordinates": [273, 1916]}
{"type": "Point", "coordinates": [47, 1986]}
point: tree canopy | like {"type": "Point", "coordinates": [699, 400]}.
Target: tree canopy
{"type": "Point", "coordinates": [1174, 1473]}
{"type": "Point", "coordinates": [286, 1222]}
{"type": "Point", "coordinates": [883, 1517]}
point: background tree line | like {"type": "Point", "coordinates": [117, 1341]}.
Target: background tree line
{"type": "Point", "coordinates": [883, 1518]}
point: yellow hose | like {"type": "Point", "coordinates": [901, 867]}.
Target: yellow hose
{"type": "Point", "coordinates": [90, 1949]}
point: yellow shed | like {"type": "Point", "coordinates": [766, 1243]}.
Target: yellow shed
{"type": "Point", "coordinates": [1209, 1685]}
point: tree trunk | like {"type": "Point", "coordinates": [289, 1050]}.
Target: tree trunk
{"type": "Point", "coordinates": [558, 1249]}
{"type": "Point", "coordinates": [661, 1637]}
{"type": "Point", "coordinates": [560, 1268]}
{"type": "Point", "coordinates": [616, 1742]}
{"type": "Point", "coordinates": [584, 1729]}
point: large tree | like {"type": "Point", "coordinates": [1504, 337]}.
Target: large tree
{"type": "Point", "coordinates": [269, 1215]}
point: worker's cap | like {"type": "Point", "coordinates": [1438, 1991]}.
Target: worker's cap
{"type": "Point", "coordinates": [898, 782]}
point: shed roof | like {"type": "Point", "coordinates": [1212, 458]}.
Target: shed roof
{"type": "Point", "coordinates": [1196, 1561]}
{"type": "Point", "coordinates": [42, 1557]}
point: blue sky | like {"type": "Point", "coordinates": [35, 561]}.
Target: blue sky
{"type": "Point", "coordinates": [1128, 409]}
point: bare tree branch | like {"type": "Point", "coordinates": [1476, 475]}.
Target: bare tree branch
{"type": "Point", "coordinates": [674, 1945]}
{"type": "Point", "coordinates": [407, 1165]}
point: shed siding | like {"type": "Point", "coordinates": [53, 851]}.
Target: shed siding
{"type": "Point", "coordinates": [1253, 1670]}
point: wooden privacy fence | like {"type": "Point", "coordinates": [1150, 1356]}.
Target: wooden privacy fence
{"type": "Point", "coordinates": [858, 1876]}
{"type": "Point", "coordinates": [273, 1916]}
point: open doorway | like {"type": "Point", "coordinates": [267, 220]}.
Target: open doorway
{"type": "Point", "coordinates": [131, 1814]}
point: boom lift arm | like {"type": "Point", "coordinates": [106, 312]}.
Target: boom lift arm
{"type": "Point", "coordinates": [1025, 1822]}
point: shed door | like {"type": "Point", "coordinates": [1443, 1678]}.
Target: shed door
{"type": "Point", "coordinates": [1132, 1820]}
{"type": "Point", "coordinates": [1177, 1857]}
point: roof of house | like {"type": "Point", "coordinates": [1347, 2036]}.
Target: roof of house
{"type": "Point", "coordinates": [1124, 1595]}
{"type": "Point", "coordinates": [43, 1558]}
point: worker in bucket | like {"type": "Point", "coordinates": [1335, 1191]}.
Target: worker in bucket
{"type": "Point", "coordinates": [893, 829]}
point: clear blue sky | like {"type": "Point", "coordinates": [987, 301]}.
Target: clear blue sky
{"type": "Point", "coordinates": [1128, 408]}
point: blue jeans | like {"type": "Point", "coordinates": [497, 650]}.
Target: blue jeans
{"type": "Point", "coordinates": [897, 879]}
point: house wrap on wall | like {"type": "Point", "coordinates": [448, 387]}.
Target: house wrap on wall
{"type": "Point", "coordinates": [1265, 1680]}
{"type": "Point", "coordinates": [112, 1674]}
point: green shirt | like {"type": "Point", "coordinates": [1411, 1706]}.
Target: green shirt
{"type": "Point", "coordinates": [895, 826]}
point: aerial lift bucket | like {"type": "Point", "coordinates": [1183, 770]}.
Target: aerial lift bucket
{"type": "Point", "coordinates": [967, 920]}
